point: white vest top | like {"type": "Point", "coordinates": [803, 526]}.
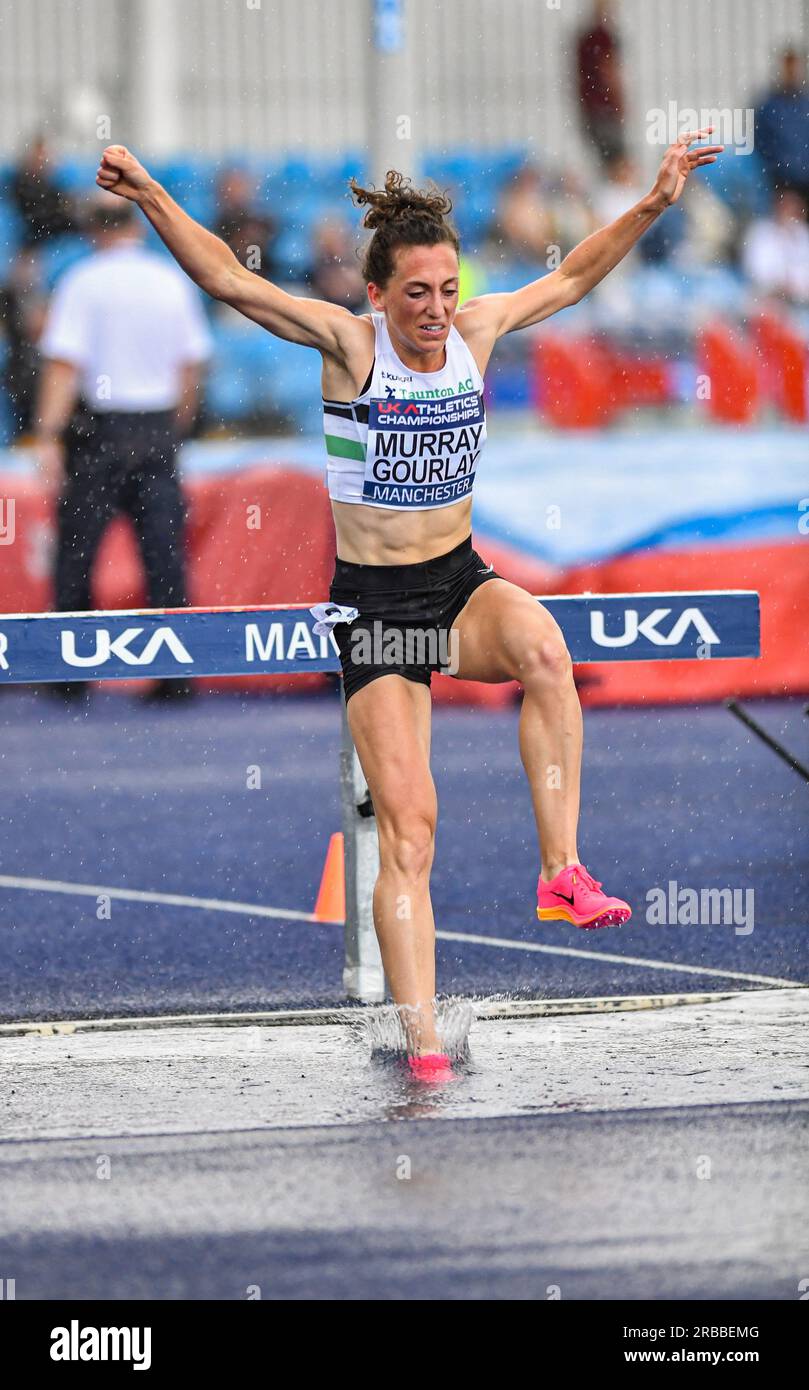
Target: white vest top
{"type": "Point", "coordinates": [412, 440]}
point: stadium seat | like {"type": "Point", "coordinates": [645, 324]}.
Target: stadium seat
{"type": "Point", "coordinates": [291, 381]}
{"type": "Point", "coordinates": [10, 235]}
{"type": "Point", "coordinates": [254, 372]}
{"type": "Point", "coordinates": [59, 253]}
{"type": "Point", "coordinates": [293, 250]}
{"type": "Point", "coordinates": [76, 174]}
{"type": "Point", "coordinates": [6, 419]}
{"type": "Point", "coordinates": [783, 360]}
{"type": "Point", "coordinates": [741, 181]}
{"type": "Point", "coordinates": [728, 363]}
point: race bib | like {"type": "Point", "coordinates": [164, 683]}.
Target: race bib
{"type": "Point", "coordinates": [423, 453]}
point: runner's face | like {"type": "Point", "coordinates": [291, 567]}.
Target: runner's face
{"type": "Point", "coordinates": [422, 291]}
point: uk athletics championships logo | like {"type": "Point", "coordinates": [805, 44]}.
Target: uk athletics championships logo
{"type": "Point", "coordinates": [423, 453]}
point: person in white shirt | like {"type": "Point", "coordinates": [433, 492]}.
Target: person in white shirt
{"type": "Point", "coordinates": [123, 346]}
{"type": "Point", "coordinates": [775, 257]}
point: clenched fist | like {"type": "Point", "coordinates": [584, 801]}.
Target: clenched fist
{"type": "Point", "coordinates": [120, 172]}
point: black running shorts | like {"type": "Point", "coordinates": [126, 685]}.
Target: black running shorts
{"type": "Point", "coordinates": [405, 615]}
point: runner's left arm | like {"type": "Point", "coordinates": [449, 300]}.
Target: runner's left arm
{"type": "Point", "coordinates": [588, 263]}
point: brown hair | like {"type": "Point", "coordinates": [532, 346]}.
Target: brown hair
{"type": "Point", "coordinates": [400, 215]}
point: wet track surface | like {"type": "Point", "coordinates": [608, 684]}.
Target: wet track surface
{"type": "Point", "coordinates": [638, 1155]}
{"type": "Point", "coordinates": [648, 1154]}
{"type": "Point", "coordinates": [597, 1206]}
{"type": "Point", "coordinates": [157, 800]}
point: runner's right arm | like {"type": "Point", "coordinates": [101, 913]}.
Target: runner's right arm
{"type": "Point", "coordinates": [213, 266]}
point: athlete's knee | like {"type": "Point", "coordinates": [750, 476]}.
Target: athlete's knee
{"type": "Point", "coordinates": [545, 660]}
{"type": "Point", "coordinates": [407, 841]}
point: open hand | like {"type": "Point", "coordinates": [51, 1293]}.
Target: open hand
{"type": "Point", "coordinates": [679, 161]}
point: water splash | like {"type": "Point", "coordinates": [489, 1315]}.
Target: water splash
{"type": "Point", "coordinates": [380, 1028]}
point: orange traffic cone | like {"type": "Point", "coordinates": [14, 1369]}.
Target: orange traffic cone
{"type": "Point", "coordinates": [331, 899]}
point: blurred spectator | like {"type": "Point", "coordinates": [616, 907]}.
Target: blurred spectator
{"type": "Point", "coordinates": [782, 126]}
{"type": "Point", "coordinates": [711, 228]}
{"type": "Point", "coordinates": [45, 210]}
{"type": "Point", "coordinates": [601, 95]}
{"type": "Point", "coordinates": [570, 209]}
{"type": "Point", "coordinates": [124, 343]}
{"type": "Point", "coordinates": [776, 250]}
{"type": "Point", "coordinates": [618, 190]}
{"type": "Point", "coordinates": [524, 224]}
{"type": "Point", "coordinates": [23, 303]}
{"type": "Point", "coordinates": [248, 230]}
{"type": "Point", "coordinates": [334, 274]}
{"type": "Point", "coordinates": [616, 194]}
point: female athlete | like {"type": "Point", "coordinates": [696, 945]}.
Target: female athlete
{"type": "Point", "coordinates": [405, 424]}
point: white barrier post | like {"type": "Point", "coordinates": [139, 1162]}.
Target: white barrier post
{"type": "Point", "coordinates": [363, 973]}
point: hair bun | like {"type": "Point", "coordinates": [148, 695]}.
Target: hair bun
{"type": "Point", "coordinates": [399, 216]}
{"type": "Point", "coordinates": [397, 200]}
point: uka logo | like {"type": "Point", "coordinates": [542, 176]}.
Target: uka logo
{"type": "Point", "coordinates": [275, 645]}
{"type": "Point", "coordinates": [635, 627]}
{"type": "Point", "coordinates": [107, 646]}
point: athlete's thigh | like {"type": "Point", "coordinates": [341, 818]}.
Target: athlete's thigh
{"type": "Point", "coordinates": [389, 719]}
{"type": "Point", "coordinates": [499, 625]}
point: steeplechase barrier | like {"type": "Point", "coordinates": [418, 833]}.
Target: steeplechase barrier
{"type": "Point", "coordinates": [39, 648]}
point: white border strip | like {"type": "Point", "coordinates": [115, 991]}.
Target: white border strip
{"type": "Point", "coordinates": [135, 895]}
{"type": "Point", "coordinates": [48, 885]}
{"type": "Point", "coordinates": [618, 960]}
{"type": "Point", "coordinates": [485, 1009]}
{"type": "Point", "coordinates": [304, 607]}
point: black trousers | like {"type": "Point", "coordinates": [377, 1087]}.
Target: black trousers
{"type": "Point", "coordinates": [121, 462]}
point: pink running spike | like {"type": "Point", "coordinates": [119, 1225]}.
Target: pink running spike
{"type": "Point", "coordinates": [575, 896]}
{"type": "Point", "coordinates": [431, 1066]}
